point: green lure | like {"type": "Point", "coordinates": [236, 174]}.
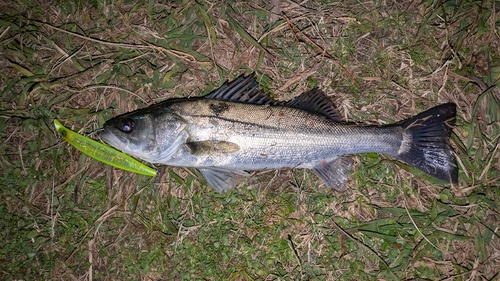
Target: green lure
{"type": "Point", "coordinates": [103, 153]}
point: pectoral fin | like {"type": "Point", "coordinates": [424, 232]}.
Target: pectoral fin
{"type": "Point", "coordinates": [221, 180]}
{"type": "Point", "coordinates": [334, 173]}
{"type": "Point", "coordinates": [203, 148]}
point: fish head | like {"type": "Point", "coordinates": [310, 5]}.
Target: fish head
{"type": "Point", "coordinates": [146, 136]}
{"type": "Point", "coordinates": [131, 133]}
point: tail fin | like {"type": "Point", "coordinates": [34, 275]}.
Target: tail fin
{"type": "Point", "coordinates": [426, 144]}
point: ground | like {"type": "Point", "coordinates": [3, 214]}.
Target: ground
{"type": "Point", "coordinates": [66, 216]}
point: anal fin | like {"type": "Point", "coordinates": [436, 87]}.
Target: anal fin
{"type": "Point", "coordinates": [334, 173]}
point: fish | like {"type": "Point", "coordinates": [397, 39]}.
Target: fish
{"type": "Point", "coordinates": [238, 128]}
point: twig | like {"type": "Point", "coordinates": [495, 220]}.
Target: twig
{"type": "Point", "coordinates": [178, 54]}
{"type": "Point", "coordinates": [363, 245]}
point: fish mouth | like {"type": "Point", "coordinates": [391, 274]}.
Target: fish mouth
{"type": "Point", "coordinates": [115, 141]}
{"type": "Point", "coordinates": [107, 137]}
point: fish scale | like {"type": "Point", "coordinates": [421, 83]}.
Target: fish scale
{"type": "Point", "coordinates": [311, 135]}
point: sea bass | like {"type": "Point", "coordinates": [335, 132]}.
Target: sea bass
{"type": "Point", "coordinates": [238, 128]}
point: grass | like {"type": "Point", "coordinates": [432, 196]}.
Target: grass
{"type": "Point", "coordinates": [65, 216]}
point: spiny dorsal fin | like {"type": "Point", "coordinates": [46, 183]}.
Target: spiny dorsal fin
{"type": "Point", "coordinates": [315, 101]}
{"type": "Point", "coordinates": [242, 89]}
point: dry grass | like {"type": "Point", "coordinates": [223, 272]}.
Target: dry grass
{"type": "Point", "coordinates": [68, 217]}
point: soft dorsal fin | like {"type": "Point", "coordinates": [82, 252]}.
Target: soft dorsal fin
{"type": "Point", "coordinates": [315, 101]}
{"type": "Point", "coordinates": [242, 89]}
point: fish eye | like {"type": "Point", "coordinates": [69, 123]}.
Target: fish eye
{"type": "Point", "coordinates": [127, 125]}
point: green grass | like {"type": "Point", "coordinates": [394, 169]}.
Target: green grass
{"type": "Point", "coordinates": [67, 217]}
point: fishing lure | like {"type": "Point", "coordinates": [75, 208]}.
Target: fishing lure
{"type": "Point", "coordinates": [103, 153]}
